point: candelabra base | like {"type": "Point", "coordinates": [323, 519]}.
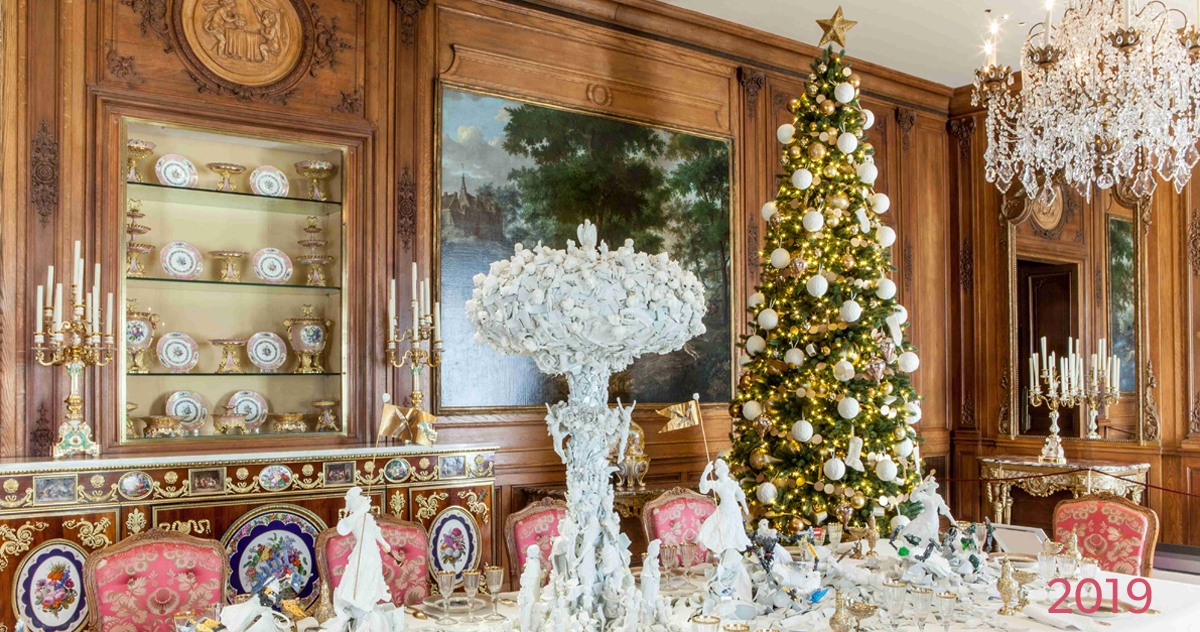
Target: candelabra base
{"type": "Point", "coordinates": [1093, 429]}
{"type": "Point", "coordinates": [74, 439]}
{"type": "Point", "coordinates": [1052, 451]}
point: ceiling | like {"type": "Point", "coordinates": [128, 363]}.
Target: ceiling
{"type": "Point", "coordinates": [938, 40]}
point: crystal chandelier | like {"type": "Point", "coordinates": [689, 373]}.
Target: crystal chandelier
{"type": "Point", "coordinates": [1108, 96]}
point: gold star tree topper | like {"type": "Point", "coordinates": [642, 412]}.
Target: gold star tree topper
{"type": "Point", "coordinates": [835, 29]}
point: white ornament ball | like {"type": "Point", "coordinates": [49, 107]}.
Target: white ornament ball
{"type": "Point", "coordinates": [751, 410]}
{"type": "Point", "coordinates": [755, 345]}
{"type": "Point", "coordinates": [881, 203]}
{"type": "Point", "coordinates": [802, 178]}
{"type": "Point", "coordinates": [843, 371]}
{"type": "Point", "coordinates": [870, 119]}
{"type": "Point", "coordinates": [794, 357]}
{"type": "Point", "coordinates": [899, 521]}
{"type": "Point", "coordinates": [867, 172]}
{"type": "Point", "coordinates": [768, 319]}
{"type": "Point", "coordinates": [901, 314]}
{"type": "Point", "coordinates": [834, 469]}
{"type": "Point", "coordinates": [848, 408]}
{"type": "Point", "coordinates": [885, 236]}
{"type": "Point", "coordinates": [904, 448]}
{"type": "Point", "coordinates": [817, 285]}
{"type": "Point", "coordinates": [913, 410]}
{"type": "Point", "coordinates": [769, 210]}
{"type": "Point", "coordinates": [813, 221]}
{"type": "Point", "coordinates": [847, 143]}
{"type": "Point", "coordinates": [780, 258]}
{"type": "Point", "coordinates": [885, 470]}
{"type": "Point", "coordinates": [816, 439]}
{"type": "Point", "coordinates": [785, 133]}
{"type": "Point", "coordinates": [766, 493]}
{"type": "Point", "coordinates": [743, 360]}
{"type": "Point", "coordinates": [802, 431]}
{"type": "Point", "coordinates": [844, 93]}
{"type": "Point", "coordinates": [756, 299]}
{"type": "Point", "coordinates": [886, 289]}
{"type": "Point", "coordinates": [908, 362]}
{"type": "Point", "coordinates": [850, 311]}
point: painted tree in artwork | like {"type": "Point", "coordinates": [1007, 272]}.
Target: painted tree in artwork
{"type": "Point", "coordinates": [825, 401]}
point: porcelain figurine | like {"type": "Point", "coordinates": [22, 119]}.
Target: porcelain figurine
{"type": "Point", "coordinates": [725, 529]}
{"type": "Point", "coordinates": [357, 599]}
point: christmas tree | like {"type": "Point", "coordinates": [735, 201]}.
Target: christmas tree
{"type": "Point", "coordinates": [824, 405]}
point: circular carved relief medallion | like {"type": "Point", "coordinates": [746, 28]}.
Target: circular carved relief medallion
{"type": "Point", "coordinates": [246, 42]}
{"type": "Point", "coordinates": [1048, 216]}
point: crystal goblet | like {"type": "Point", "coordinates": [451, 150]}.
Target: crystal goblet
{"type": "Point", "coordinates": [706, 623]}
{"type": "Point", "coordinates": [922, 599]}
{"type": "Point", "coordinates": [835, 535]}
{"type": "Point", "coordinates": [445, 582]}
{"type": "Point", "coordinates": [670, 560]}
{"type": "Point", "coordinates": [471, 588]}
{"type": "Point", "coordinates": [980, 534]}
{"type": "Point", "coordinates": [687, 555]}
{"type": "Point", "coordinates": [945, 606]}
{"type": "Point", "coordinates": [495, 582]}
{"type": "Point", "coordinates": [1067, 566]}
{"type": "Point", "coordinates": [1047, 567]}
{"type": "Point", "coordinates": [894, 592]}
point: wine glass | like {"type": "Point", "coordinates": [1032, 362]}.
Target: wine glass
{"type": "Point", "coordinates": [922, 599]}
{"type": "Point", "coordinates": [1067, 566]}
{"type": "Point", "coordinates": [471, 587]}
{"type": "Point", "coordinates": [1047, 563]}
{"type": "Point", "coordinates": [670, 560]}
{"type": "Point", "coordinates": [445, 582]}
{"type": "Point", "coordinates": [495, 581]}
{"type": "Point", "coordinates": [945, 606]}
{"type": "Point", "coordinates": [894, 592]}
{"type": "Point", "coordinates": [183, 619]}
{"type": "Point", "coordinates": [706, 623]}
{"type": "Point", "coordinates": [980, 534]}
{"type": "Point", "coordinates": [687, 552]}
{"type": "Point", "coordinates": [835, 535]}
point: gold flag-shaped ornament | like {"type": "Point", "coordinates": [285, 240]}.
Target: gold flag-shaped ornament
{"type": "Point", "coordinates": [684, 415]}
{"type": "Point", "coordinates": [409, 424]}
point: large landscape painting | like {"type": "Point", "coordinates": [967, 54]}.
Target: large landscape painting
{"type": "Point", "coordinates": [516, 172]}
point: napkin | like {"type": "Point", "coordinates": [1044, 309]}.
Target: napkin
{"type": "Point", "coordinates": [1042, 614]}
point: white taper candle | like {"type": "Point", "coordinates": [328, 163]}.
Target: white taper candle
{"type": "Point", "coordinates": [108, 315]}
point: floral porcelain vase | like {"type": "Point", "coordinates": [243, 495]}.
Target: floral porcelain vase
{"type": "Point", "coordinates": [308, 335]}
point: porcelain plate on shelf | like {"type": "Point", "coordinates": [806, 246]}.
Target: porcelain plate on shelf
{"type": "Point", "coordinates": [269, 181]}
{"type": "Point", "coordinates": [189, 407]}
{"type": "Point", "coordinates": [174, 170]}
{"type": "Point", "coordinates": [250, 404]}
{"type": "Point", "coordinates": [267, 351]}
{"type": "Point", "coordinates": [178, 352]}
{"type": "Point", "coordinates": [181, 260]}
{"type": "Point", "coordinates": [272, 265]}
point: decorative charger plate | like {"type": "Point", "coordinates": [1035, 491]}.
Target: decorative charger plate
{"type": "Point", "coordinates": [48, 589]}
{"type": "Point", "coordinates": [269, 181]}
{"type": "Point", "coordinates": [189, 407]}
{"type": "Point", "coordinates": [174, 170]}
{"type": "Point", "coordinates": [453, 543]}
{"type": "Point", "coordinates": [250, 404]}
{"type": "Point", "coordinates": [267, 351]}
{"type": "Point", "coordinates": [178, 352]}
{"type": "Point", "coordinates": [269, 539]}
{"type": "Point", "coordinates": [272, 265]}
{"type": "Point", "coordinates": [181, 260]}
{"type": "Point", "coordinates": [135, 485]}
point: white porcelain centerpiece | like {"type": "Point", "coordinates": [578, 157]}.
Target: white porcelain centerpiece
{"type": "Point", "coordinates": [586, 312]}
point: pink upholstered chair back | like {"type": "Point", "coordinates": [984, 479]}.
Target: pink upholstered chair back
{"type": "Point", "coordinates": [139, 583]}
{"type": "Point", "coordinates": [407, 578]}
{"type": "Point", "coordinates": [676, 517]}
{"type": "Point", "coordinates": [1115, 531]}
{"type": "Point", "coordinates": [536, 524]}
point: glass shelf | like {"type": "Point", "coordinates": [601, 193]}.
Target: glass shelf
{"type": "Point", "coordinates": [222, 286]}
{"type": "Point", "coordinates": [246, 374]}
{"type": "Point", "coordinates": [150, 192]}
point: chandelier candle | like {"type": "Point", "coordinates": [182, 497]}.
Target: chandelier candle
{"type": "Point", "coordinates": [76, 343]}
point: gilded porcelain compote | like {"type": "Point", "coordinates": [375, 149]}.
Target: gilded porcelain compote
{"type": "Point", "coordinates": [308, 335]}
{"type": "Point", "coordinates": [861, 610]}
{"type": "Point", "coordinates": [140, 326]}
{"type": "Point", "coordinates": [134, 250]}
{"type": "Point", "coordinates": [225, 423]}
{"type": "Point", "coordinates": [316, 171]}
{"type": "Point", "coordinates": [231, 264]}
{"type": "Point", "coordinates": [231, 356]}
{"type": "Point", "coordinates": [135, 150]}
{"type": "Point", "coordinates": [288, 423]}
{"type": "Point", "coordinates": [316, 261]}
{"type": "Point", "coordinates": [326, 420]}
{"type": "Point", "coordinates": [226, 170]}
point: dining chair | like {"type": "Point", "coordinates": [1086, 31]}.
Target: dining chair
{"type": "Point", "coordinates": [404, 569]}
{"type": "Point", "coordinates": [676, 516]}
{"type": "Point", "coordinates": [1118, 533]}
{"type": "Point", "coordinates": [536, 524]}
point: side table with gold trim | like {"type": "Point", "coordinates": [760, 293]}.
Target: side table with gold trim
{"type": "Point", "coordinates": [1058, 477]}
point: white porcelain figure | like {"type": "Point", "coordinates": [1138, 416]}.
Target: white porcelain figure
{"type": "Point", "coordinates": [586, 312]}
{"type": "Point", "coordinates": [531, 585]}
{"type": "Point", "coordinates": [925, 526]}
{"type": "Point", "coordinates": [357, 599]}
{"type": "Point", "coordinates": [725, 528]}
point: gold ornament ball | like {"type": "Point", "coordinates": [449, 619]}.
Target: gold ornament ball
{"type": "Point", "coordinates": [830, 171]}
{"type": "Point", "coordinates": [783, 160]}
{"type": "Point", "coordinates": [746, 381]}
{"type": "Point", "coordinates": [816, 151]}
{"type": "Point", "coordinates": [824, 351]}
{"type": "Point", "coordinates": [858, 501]}
{"type": "Point", "coordinates": [794, 104]}
{"type": "Point", "coordinates": [833, 133]}
{"type": "Point", "coordinates": [796, 525]}
{"type": "Point", "coordinates": [822, 68]}
{"type": "Point", "coordinates": [827, 107]}
{"type": "Point", "coordinates": [888, 388]}
{"type": "Point", "coordinates": [795, 331]}
{"type": "Point", "coordinates": [812, 88]}
{"type": "Point", "coordinates": [838, 200]}
{"type": "Point", "coordinates": [900, 433]}
{"type": "Point", "coordinates": [793, 152]}
{"type": "Point", "coordinates": [854, 80]}
{"type": "Point", "coordinates": [735, 410]}
{"type": "Point", "coordinates": [758, 458]}
{"type": "Point", "coordinates": [847, 261]}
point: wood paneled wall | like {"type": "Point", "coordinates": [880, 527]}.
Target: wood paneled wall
{"type": "Point", "coordinates": [1172, 322]}
{"type": "Point", "coordinates": [378, 83]}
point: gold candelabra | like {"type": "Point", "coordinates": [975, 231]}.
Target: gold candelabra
{"type": "Point", "coordinates": [75, 343]}
{"type": "Point", "coordinates": [426, 328]}
{"type": "Point", "coordinates": [1067, 387]}
{"type": "Point", "coordinates": [1100, 391]}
